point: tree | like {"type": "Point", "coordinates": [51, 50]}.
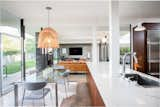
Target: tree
{"type": "Point", "coordinates": [11, 45]}
{"type": "Point", "coordinates": [30, 45]}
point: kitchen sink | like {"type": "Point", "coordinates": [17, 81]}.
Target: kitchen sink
{"type": "Point", "coordinates": [143, 81]}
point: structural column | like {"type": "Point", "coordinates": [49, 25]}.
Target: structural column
{"type": "Point", "coordinates": [94, 46]}
{"type": "Point", "coordinates": [23, 67]}
{"type": "Point", "coordinates": [114, 30]}
{"type": "Point", "coordinates": [1, 64]}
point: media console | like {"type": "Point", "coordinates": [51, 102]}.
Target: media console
{"type": "Point", "coordinates": [75, 66]}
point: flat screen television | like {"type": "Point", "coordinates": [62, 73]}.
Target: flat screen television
{"type": "Point", "coordinates": [75, 51]}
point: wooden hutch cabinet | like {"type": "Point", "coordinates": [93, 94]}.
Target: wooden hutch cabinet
{"type": "Point", "coordinates": [147, 46]}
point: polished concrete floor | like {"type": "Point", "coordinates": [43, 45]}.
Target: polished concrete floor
{"type": "Point", "coordinates": [7, 100]}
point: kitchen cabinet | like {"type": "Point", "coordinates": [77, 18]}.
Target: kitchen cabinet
{"type": "Point", "coordinates": [95, 95]}
{"type": "Point", "coordinates": [153, 52]}
{"type": "Point", "coordinates": [147, 46]}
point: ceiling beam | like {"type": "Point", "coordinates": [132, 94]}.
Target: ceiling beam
{"type": "Point", "coordinates": [60, 0]}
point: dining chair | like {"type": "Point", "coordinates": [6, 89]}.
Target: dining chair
{"type": "Point", "coordinates": [65, 75]}
{"type": "Point", "coordinates": [37, 91]}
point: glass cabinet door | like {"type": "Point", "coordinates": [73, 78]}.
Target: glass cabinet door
{"type": "Point", "coordinates": [153, 52]}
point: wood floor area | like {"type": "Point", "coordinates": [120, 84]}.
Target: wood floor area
{"type": "Point", "coordinates": [7, 100]}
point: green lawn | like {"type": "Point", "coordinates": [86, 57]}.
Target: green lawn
{"type": "Point", "coordinates": [16, 66]}
{"type": "Point", "coordinates": [30, 63]}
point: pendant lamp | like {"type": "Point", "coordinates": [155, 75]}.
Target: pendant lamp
{"type": "Point", "coordinates": [140, 27]}
{"type": "Point", "coordinates": [104, 39]}
{"type": "Point", "coordinates": [48, 37]}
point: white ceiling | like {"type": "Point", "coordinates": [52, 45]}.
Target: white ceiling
{"type": "Point", "coordinates": [73, 19]}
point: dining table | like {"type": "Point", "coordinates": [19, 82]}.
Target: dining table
{"type": "Point", "coordinates": [49, 75]}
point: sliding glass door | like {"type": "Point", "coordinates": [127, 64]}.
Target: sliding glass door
{"type": "Point", "coordinates": [10, 61]}
{"type": "Point", "coordinates": [30, 55]}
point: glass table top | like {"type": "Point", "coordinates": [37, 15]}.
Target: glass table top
{"type": "Point", "coordinates": [49, 75]}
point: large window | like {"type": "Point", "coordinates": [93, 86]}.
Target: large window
{"type": "Point", "coordinates": [11, 60]}
{"type": "Point", "coordinates": [125, 46]}
{"type": "Point", "coordinates": [30, 54]}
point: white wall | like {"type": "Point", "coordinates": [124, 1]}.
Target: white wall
{"type": "Point", "coordinates": [86, 48]}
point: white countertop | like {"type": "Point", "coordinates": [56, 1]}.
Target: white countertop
{"type": "Point", "coordinates": [118, 92]}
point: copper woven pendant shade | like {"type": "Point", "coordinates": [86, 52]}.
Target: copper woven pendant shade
{"type": "Point", "coordinates": [48, 38]}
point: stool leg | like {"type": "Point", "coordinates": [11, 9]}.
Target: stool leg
{"type": "Point", "coordinates": [43, 98]}
{"type": "Point", "coordinates": [23, 96]}
{"type": "Point", "coordinates": [51, 97]}
{"type": "Point", "coordinates": [50, 92]}
{"type": "Point", "coordinates": [65, 87]}
{"type": "Point", "coordinates": [44, 101]}
{"type": "Point", "coordinates": [67, 82]}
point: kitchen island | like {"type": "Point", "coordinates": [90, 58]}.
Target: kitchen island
{"type": "Point", "coordinates": [116, 91]}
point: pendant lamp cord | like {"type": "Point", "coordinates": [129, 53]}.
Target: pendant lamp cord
{"type": "Point", "coordinates": [48, 8]}
{"type": "Point", "coordinates": [48, 17]}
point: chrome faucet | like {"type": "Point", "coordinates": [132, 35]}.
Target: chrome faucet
{"type": "Point", "coordinates": [133, 54]}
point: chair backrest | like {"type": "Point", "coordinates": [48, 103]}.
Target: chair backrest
{"type": "Point", "coordinates": [34, 85]}
{"type": "Point", "coordinates": [58, 67]}
{"type": "Point", "coordinates": [66, 73]}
